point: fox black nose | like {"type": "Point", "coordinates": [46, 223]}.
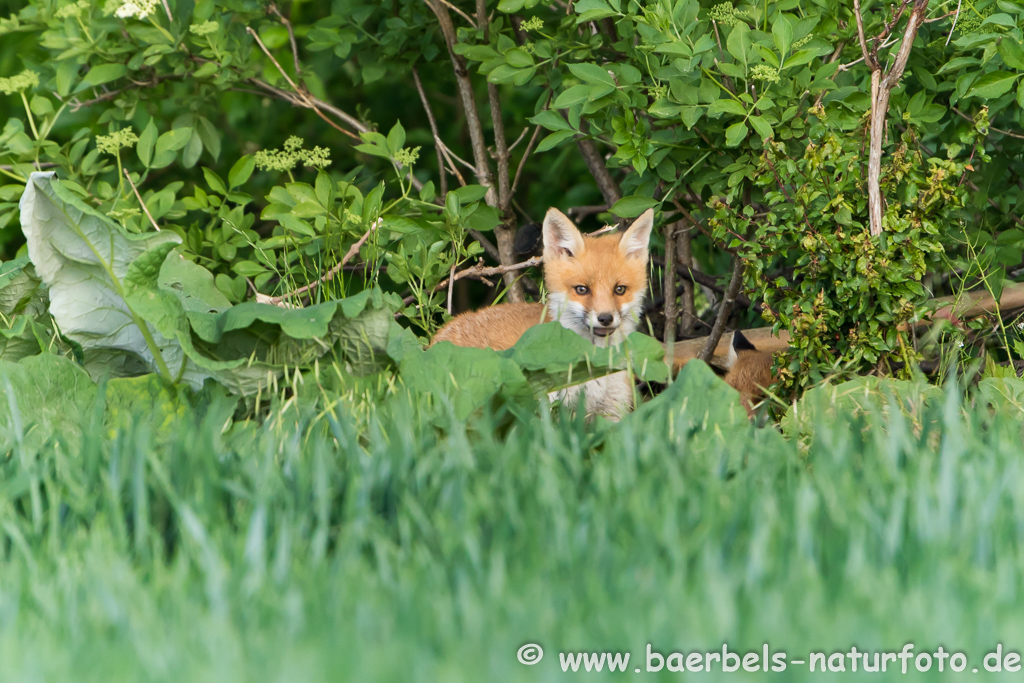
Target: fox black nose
{"type": "Point", "coordinates": [605, 319]}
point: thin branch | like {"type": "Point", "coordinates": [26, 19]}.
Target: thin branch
{"type": "Point", "coordinates": [518, 139]}
{"type": "Point", "coordinates": [588, 210]}
{"type": "Point", "coordinates": [669, 282]}
{"type": "Point", "coordinates": [685, 259]}
{"type": "Point", "coordinates": [526, 155]}
{"type": "Point", "coordinates": [881, 86]}
{"type": "Point", "coordinates": [480, 272]}
{"type": "Point", "coordinates": [599, 169]}
{"type": "Point", "coordinates": [724, 311]}
{"type": "Point", "coordinates": [434, 131]}
{"type": "Point", "coordinates": [329, 275]}
{"type": "Point", "coordinates": [465, 88]}
{"type": "Point", "coordinates": [451, 288]}
{"type": "Point", "coordinates": [991, 128]}
{"type": "Point", "coordinates": [868, 59]}
{"type": "Point", "coordinates": [462, 14]}
{"type": "Point", "coordinates": [272, 8]}
{"type": "Point", "coordinates": [141, 203]}
{"type": "Point", "coordinates": [303, 97]}
{"type": "Point", "coordinates": [167, 8]}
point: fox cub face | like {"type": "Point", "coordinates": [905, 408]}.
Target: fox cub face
{"type": "Point", "coordinates": [596, 285]}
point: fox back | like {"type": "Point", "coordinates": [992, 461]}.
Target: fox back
{"type": "Point", "coordinates": [595, 287]}
{"type": "Point", "coordinates": [749, 370]}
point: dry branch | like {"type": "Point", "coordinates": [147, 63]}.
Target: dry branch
{"type": "Point", "coordinates": [480, 272]}
{"type": "Point", "coordinates": [329, 275]}
{"type": "Point", "coordinates": [728, 301]}
{"type": "Point", "coordinates": [882, 85]}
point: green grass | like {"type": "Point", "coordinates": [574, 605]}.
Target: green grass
{"type": "Point", "coordinates": [385, 547]}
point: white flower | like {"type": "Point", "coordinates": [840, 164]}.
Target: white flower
{"type": "Point", "coordinates": [961, 345]}
{"type": "Point", "coordinates": [136, 8]}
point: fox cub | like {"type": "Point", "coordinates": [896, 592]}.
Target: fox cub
{"type": "Point", "coordinates": [749, 371]}
{"type": "Point", "coordinates": [595, 287]}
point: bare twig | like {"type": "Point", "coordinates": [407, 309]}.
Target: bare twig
{"type": "Point", "coordinates": [480, 272]}
{"type": "Point", "coordinates": [465, 88]}
{"type": "Point", "coordinates": [669, 282]}
{"type": "Point", "coordinates": [526, 155]}
{"type": "Point", "coordinates": [868, 57]}
{"type": "Point", "coordinates": [881, 86]}
{"type": "Point", "coordinates": [451, 288]}
{"type": "Point", "coordinates": [141, 203]}
{"type": "Point", "coordinates": [685, 259]}
{"type": "Point", "coordinates": [167, 9]}
{"type": "Point", "coordinates": [599, 169]}
{"type": "Point", "coordinates": [584, 211]}
{"type": "Point", "coordinates": [434, 131]}
{"type": "Point", "coordinates": [462, 14]}
{"type": "Point", "coordinates": [728, 301]}
{"type": "Point", "coordinates": [329, 275]}
{"type": "Point", "coordinates": [955, 19]}
{"type": "Point", "coordinates": [991, 128]}
{"type": "Point", "coordinates": [504, 233]}
{"type": "Point", "coordinates": [303, 97]}
{"type": "Point", "coordinates": [519, 139]}
{"type": "Point", "coordinates": [272, 8]}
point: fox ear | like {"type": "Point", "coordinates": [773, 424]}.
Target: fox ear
{"type": "Point", "coordinates": [634, 240]}
{"type": "Point", "coordinates": [561, 238]}
{"type": "Point", "coordinates": [739, 343]}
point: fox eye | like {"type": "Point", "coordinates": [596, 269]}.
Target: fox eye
{"type": "Point", "coordinates": [582, 290]}
{"type": "Point", "coordinates": [620, 290]}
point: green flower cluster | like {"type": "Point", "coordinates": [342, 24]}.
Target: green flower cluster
{"type": "Point", "coordinates": [205, 28]}
{"type": "Point", "coordinates": [26, 80]}
{"type": "Point", "coordinates": [726, 14]}
{"type": "Point", "coordinates": [406, 156]}
{"type": "Point", "coordinates": [286, 159]}
{"type": "Point", "coordinates": [763, 72]}
{"type": "Point", "coordinates": [971, 18]}
{"type": "Point", "coordinates": [73, 9]}
{"type": "Point", "coordinates": [532, 24]}
{"type": "Point", "coordinates": [116, 141]}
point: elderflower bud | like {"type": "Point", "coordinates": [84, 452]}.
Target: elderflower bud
{"type": "Point", "coordinates": [26, 80]}
{"type": "Point", "coordinates": [763, 72]}
{"type": "Point", "coordinates": [726, 15]}
{"type": "Point", "coordinates": [532, 24]}
{"type": "Point", "coordinates": [286, 159]}
{"type": "Point", "coordinates": [318, 157]}
{"type": "Point", "coordinates": [116, 141]}
{"type": "Point", "coordinates": [407, 156]}
{"type": "Point", "coordinates": [73, 9]}
{"type": "Point", "coordinates": [274, 160]}
{"type": "Point", "coordinates": [205, 28]}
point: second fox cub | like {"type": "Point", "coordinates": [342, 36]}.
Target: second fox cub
{"type": "Point", "coordinates": [749, 371]}
{"type": "Point", "coordinates": [595, 288]}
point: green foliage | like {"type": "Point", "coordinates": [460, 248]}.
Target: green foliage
{"type": "Point", "coordinates": [847, 295]}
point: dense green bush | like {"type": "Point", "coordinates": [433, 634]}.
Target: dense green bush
{"type": "Point", "coordinates": [269, 164]}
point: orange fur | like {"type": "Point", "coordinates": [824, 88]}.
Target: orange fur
{"type": "Point", "coordinates": [497, 327]}
{"type": "Point", "coordinates": [749, 374]}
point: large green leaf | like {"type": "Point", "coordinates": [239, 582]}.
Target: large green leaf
{"type": "Point", "coordinates": [552, 357]}
{"type": "Point", "coordinates": [83, 258]}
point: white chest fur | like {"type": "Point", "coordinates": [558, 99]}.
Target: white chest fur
{"type": "Point", "coordinates": [611, 396]}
